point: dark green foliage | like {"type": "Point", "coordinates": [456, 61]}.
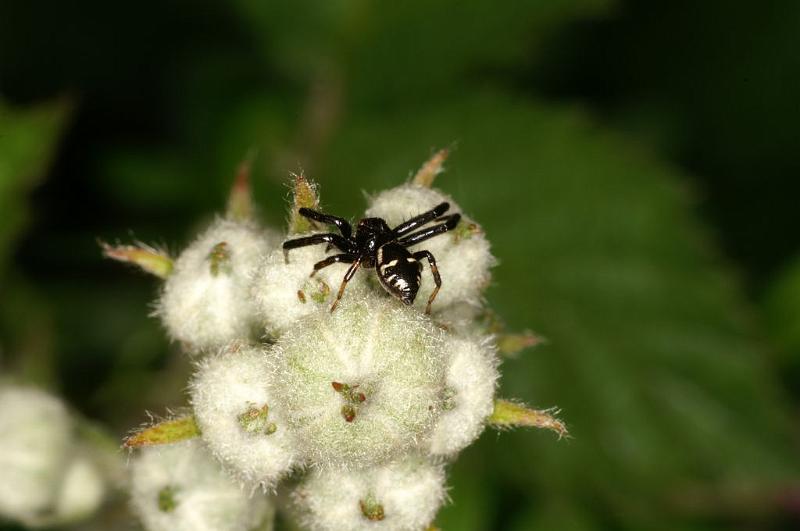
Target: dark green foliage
{"type": "Point", "coordinates": [28, 138]}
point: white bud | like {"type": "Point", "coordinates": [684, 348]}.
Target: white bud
{"type": "Point", "coordinates": [362, 383]}
{"type": "Point", "coordinates": [468, 398]}
{"type": "Point", "coordinates": [285, 291]}
{"type": "Point", "coordinates": [240, 420]}
{"type": "Point", "coordinates": [205, 302]}
{"type": "Point", "coordinates": [180, 487]}
{"type": "Point", "coordinates": [82, 490]}
{"type": "Point", "coordinates": [403, 496]}
{"type": "Point", "coordinates": [35, 447]}
{"type": "Point", "coordinates": [462, 255]}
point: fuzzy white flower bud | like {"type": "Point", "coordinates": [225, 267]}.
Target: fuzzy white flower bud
{"type": "Point", "coordinates": [468, 398]}
{"type": "Point", "coordinates": [362, 383]}
{"type": "Point", "coordinates": [181, 487]}
{"type": "Point", "coordinates": [403, 496]}
{"type": "Point", "coordinates": [205, 301]}
{"type": "Point", "coordinates": [82, 490]}
{"type": "Point", "coordinates": [285, 291]}
{"type": "Point", "coordinates": [240, 420]}
{"type": "Point", "coordinates": [35, 448]}
{"type": "Point", "coordinates": [462, 255]}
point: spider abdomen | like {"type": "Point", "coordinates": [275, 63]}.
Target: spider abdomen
{"type": "Point", "coordinates": [398, 271]}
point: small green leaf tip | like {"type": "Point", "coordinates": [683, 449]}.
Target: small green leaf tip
{"type": "Point", "coordinates": [304, 196]}
{"type": "Point", "coordinates": [154, 261]}
{"type": "Point", "coordinates": [240, 200]}
{"type": "Point", "coordinates": [512, 344]}
{"type": "Point", "coordinates": [166, 432]}
{"type": "Point", "coordinates": [432, 167]}
{"type": "Point", "coordinates": [508, 414]}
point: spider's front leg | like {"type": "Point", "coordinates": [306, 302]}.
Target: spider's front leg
{"type": "Point", "coordinates": [448, 223]}
{"type": "Point", "coordinates": [341, 223]}
{"type": "Point", "coordinates": [339, 242]}
{"type": "Point", "coordinates": [347, 277]}
{"type": "Point", "coordinates": [437, 279]}
{"type": "Point", "coordinates": [335, 259]}
{"type": "Point", "coordinates": [422, 219]}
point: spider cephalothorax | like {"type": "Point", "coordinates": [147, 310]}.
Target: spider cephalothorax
{"type": "Point", "coordinates": [376, 245]}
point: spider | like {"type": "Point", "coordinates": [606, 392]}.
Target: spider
{"type": "Point", "coordinates": [376, 245]}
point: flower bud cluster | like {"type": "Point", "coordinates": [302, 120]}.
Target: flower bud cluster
{"type": "Point", "coordinates": [362, 407]}
{"type": "Point", "coordinates": [49, 476]}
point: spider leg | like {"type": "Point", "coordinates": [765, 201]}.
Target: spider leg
{"type": "Point", "coordinates": [347, 277]}
{"type": "Point", "coordinates": [338, 241]}
{"type": "Point", "coordinates": [341, 223]}
{"type": "Point", "coordinates": [436, 277]}
{"type": "Point", "coordinates": [445, 219]}
{"type": "Point", "coordinates": [430, 232]}
{"type": "Point", "coordinates": [337, 258]}
{"type": "Point", "coordinates": [422, 219]}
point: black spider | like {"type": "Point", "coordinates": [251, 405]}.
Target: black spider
{"type": "Point", "coordinates": [376, 245]}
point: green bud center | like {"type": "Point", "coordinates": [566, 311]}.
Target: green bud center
{"type": "Point", "coordinates": [449, 399]}
{"type": "Point", "coordinates": [353, 397]}
{"type": "Point", "coordinates": [465, 230]}
{"type": "Point", "coordinates": [315, 288]}
{"type": "Point", "coordinates": [166, 499]}
{"type": "Point", "coordinates": [256, 421]}
{"type": "Point", "coordinates": [219, 259]}
{"type": "Point", "coordinates": [371, 509]}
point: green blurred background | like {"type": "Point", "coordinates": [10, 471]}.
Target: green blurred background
{"type": "Point", "coordinates": [635, 164]}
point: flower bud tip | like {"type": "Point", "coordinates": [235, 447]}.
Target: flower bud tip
{"type": "Point", "coordinates": [508, 414]}
{"type": "Point", "coordinates": [166, 432]}
{"type": "Point", "coordinates": [240, 200]}
{"type": "Point", "coordinates": [432, 167]}
{"type": "Point", "coordinates": [154, 261]}
{"type": "Point", "coordinates": [304, 196]}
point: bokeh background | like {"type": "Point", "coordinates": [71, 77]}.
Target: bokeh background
{"type": "Point", "coordinates": [635, 164]}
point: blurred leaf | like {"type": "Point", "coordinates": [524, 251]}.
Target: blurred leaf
{"type": "Point", "coordinates": [153, 178]}
{"type": "Point", "coordinates": [782, 316]}
{"type": "Point", "coordinates": [783, 310]}
{"type": "Point", "coordinates": [402, 50]}
{"type": "Point", "coordinates": [652, 357]}
{"type": "Point", "coordinates": [555, 516]}
{"type": "Point", "coordinates": [28, 139]}
{"type": "Point", "coordinates": [470, 508]}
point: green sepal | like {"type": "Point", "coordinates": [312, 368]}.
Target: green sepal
{"type": "Point", "coordinates": [166, 432]}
